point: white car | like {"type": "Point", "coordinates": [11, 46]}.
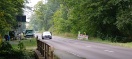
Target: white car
{"type": "Point", "coordinates": [46, 34]}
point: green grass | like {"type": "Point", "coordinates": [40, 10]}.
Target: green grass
{"type": "Point", "coordinates": [28, 43]}
{"type": "Point", "coordinates": [98, 40]}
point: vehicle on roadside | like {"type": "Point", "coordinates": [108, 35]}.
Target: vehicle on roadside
{"type": "Point", "coordinates": [29, 34]}
{"type": "Point", "coordinates": [46, 34]}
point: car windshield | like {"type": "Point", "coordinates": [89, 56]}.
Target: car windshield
{"type": "Point", "coordinates": [29, 31]}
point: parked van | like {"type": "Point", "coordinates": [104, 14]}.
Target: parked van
{"type": "Point", "coordinates": [29, 33]}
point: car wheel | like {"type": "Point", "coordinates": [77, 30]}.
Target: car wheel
{"type": "Point", "coordinates": [42, 38]}
{"type": "Point", "coordinates": [50, 38]}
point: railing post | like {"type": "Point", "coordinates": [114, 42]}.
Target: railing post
{"type": "Point", "coordinates": [47, 51]}
{"type": "Point", "coordinates": [37, 43]}
{"type": "Point", "coordinates": [51, 53]}
{"type": "Point", "coordinates": [42, 49]}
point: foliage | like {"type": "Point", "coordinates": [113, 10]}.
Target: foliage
{"type": "Point", "coordinates": [21, 46]}
{"type": "Point", "coordinates": [61, 24]}
{"type": "Point", "coordinates": [41, 19]}
{"type": "Point", "coordinates": [103, 19]}
{"type": "Point", "coordinates": [107, 19]}
{"type": "Point", "coordinates": [6, 51]}
{"type": "Point", "coordinates": [8, 11]}
{"type": "Point", "coordinates": [6, 46]}
{"type": "Point", "coordinates": [0, 40]}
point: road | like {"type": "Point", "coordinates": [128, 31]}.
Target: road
{"type": "Point", "coordinates": [77, 49]}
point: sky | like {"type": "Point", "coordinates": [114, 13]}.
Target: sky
{"type": "Point", "coordinates": [33, 2]}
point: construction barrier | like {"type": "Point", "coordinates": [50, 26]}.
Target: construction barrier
{"type": "Point", "coordinates": [82, 36]}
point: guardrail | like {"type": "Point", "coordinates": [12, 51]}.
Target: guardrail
{"type": "Point", "coordinates": [45, 50]}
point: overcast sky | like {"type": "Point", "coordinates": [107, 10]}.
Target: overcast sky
{"type": "Point", "coordinates": [32, 2]}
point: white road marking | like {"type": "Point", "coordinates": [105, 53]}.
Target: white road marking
{"type": "Point", "coordinates": [88, 46]}
{"type": "Point", "coordinates": [74, 54]}
{"type": "Point", "coordinates": [108, 51]}
{"type": "Point", "coordinates": [111, 51]}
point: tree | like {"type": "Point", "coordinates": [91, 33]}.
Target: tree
{"type": "Point", "coordinates": [8, 11]}
{"type": "Point", "coordinates": [43, 13]}
{"type": "Point", "coordinates": [61, 24]}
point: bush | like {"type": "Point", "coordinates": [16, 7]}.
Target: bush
{"type": "Point", "coordinates": [6, 46]}
{"type": "Point", "coordinates": [7, 52]}
{"type": "Point", "coordinates": [0, 40]}
{"type": "Point", "coordinates": [21, 46]}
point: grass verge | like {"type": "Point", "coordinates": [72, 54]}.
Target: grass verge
{"type": "Point", "coordinates": [98, 40]}
{"type": "Point", "coordinates": [28, 43]}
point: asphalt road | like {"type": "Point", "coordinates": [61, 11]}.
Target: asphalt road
{"type": "Point", "coordinates": [77, 49]}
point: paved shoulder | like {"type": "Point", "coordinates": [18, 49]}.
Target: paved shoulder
{"type": "Point", "coordinates": [66, 55]}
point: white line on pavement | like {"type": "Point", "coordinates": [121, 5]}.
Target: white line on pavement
{"type": "Point", "coordinates": [74, 54]}
{"type": "Point", "coordinates": [108, 51]}
{"type": "Point", "coordinates": [88, 46]}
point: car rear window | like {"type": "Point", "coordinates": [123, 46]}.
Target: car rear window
{"type": "Point", "coordinates": [46, 33]}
